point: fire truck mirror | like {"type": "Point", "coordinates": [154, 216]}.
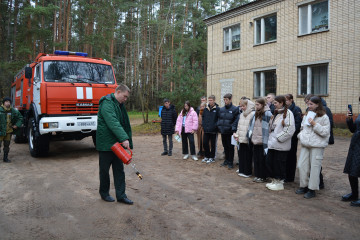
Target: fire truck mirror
{"type": "Point", "coordinates": [28, 72]}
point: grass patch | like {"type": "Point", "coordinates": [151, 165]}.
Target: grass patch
{"type": "Point", "coordinates": [341, 132]}
{"type": "Point", "coordinates": [146, 129]}
{"type": "Point", "coordinates": [153, 115]}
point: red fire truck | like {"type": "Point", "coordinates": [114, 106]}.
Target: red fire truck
{"type": "Point", "coordinates": [58, 95]}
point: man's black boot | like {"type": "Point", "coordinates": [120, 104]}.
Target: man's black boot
{"type": "Point", "coordinates": [6, 159]}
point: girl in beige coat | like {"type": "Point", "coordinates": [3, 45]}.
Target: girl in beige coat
{"type": "Point", "coordinates": [244, 151]}
{"type": "Point", "coordinates": [314, 137]}
{"type": "Point", "coordinates": [281, 127]}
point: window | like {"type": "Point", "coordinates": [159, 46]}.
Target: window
{"type": "Point", "coordinates": [264, 83]}
{"type": "Point", "coordinates": [265, 29]}
{"type": "Point", "coordinates": [232, 38]}
{"type": "Point", "coordinates": [314, 17]}
{"type": "Point", "coordinates": [313, 79]}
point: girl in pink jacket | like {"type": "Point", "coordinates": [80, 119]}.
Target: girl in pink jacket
{"type": "Point", "coordinates": [187, 125]}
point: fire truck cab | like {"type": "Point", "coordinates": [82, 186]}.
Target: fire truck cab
{"type": "Point", "coordinates": [58, 95]}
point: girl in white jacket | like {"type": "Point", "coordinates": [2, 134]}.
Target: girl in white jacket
{"type": "Point", "coordinates": [314, 137]}
{"type": "Point", "coordinates": [281, 127]}
{"type": "Point", "coordinates": [244, 152]}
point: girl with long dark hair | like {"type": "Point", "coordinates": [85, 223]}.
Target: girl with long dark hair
{"type": "Point", "coordinates": [314, 137]}
{"type": "Point", "coordinates": [186, 125]}
{"type": "Point", "coordinates": [281, 127]}
{"type": "Point", "coordinates": [258, 134]}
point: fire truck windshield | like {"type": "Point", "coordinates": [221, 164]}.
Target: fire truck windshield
{"type": "Point", "coordinates": [78, 72]}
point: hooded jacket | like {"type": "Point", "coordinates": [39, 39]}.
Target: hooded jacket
{"type": "Point", "coordinates": [168, 120]}
{"type": "Point", "coordinates": [210, 118]}
{"type": "Point", "coordinates": [113, 124]}
{"type": "Point", "coordinates": [244, 122]}
{"type": "Point", "coordinates": [315, 136]}
{"type": "Point", "coordinates": [280, 136]}
{"type": "Point", "coordinates": [16, 119]}
{"type": "Point", "coordinates": [191, 122]}
{"type": "Point", "coordinates": [226, 118]}
{"type": "Point", "coordinates": [265, 128]}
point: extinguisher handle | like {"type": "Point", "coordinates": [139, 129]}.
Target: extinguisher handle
{"type": "Point", "coordinates": [128, 149]}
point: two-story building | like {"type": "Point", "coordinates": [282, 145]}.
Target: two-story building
{"type": "Point", "coordinates": [287, 46]}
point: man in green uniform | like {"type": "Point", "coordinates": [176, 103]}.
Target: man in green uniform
{"type": "Point", "coordinates": [10, 121]}
{"type": "Point", "coordinates": [113, 126]}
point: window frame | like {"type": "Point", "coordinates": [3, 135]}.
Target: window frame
{"type": "Point", "coordinates": [262, 29]}
{"type": "Point", "coordinates": [262, 76]}
{"type": "Point", "coordinates": [309, 79]}
{"type": "Point", "coordinates": [309, 18]}
{"type": "Point", "coordinates": [230, 37]}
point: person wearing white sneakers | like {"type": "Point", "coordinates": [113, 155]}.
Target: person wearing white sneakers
{"type": "Point", "coordinates": [281, 127]}
{"type": "Point", "coordinates": [245, 150]}
{"type": "Point", "coordinates": [187, 125]}
{"type": "Point", "coordinates": [209, 120]}
{"type": "Point", "coordinates": [259, 134]}
{"type": "Point", "coordinates": [314, 137]}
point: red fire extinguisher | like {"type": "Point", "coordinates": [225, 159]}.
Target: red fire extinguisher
{"type": "Point", "coordinates": [124, 156]}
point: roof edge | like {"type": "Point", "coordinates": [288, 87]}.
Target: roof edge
{"type": "Point", "coordinates": [248, 7]}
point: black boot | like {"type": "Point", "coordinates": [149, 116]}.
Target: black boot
{"type": "Point", "coordinates": [6, 159]}
{"type": "Point", "coordinates": [354, 195]}
{"type": "Point", "coordinates": [310, 194]}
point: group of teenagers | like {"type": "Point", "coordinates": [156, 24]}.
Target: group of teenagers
{"type": "Point", "coordinates": [266, 134]}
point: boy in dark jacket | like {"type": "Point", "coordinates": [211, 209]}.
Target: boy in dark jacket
{"type": "Point", "coordinates": [209, 122]}
{"type": "Point", "coordinates": [168, 121]}
{"type": "Point", "coordinates": [226, 118]}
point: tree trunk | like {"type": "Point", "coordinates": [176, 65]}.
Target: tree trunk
{"type": "Point", "coordinates": [67, 25]}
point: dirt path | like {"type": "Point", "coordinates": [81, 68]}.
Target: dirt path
{"type": "Point", "coordinates": [57, 198]}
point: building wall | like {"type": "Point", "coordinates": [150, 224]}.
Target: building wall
{"type": "Point", "coordinates": [340, 46]}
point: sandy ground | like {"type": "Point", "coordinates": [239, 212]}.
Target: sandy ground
{"type": "Point", "coordinates": [57, 198]}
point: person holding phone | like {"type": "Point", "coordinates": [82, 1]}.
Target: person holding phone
{"type": "Point", "coordinates": [352, 165]}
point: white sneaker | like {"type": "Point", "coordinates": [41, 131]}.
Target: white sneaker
{"type": "Point", "coordinates": [243, 175]}
{"type": "Point", "coordinates": [186, 156]}
{"type": "Point", "coordinates": [271, 183]}
{"type": "Point", "coordinates": [211, 160]}
{"type": "Point", "coordinates": [205, 160]}
{"type": "Point", "coordinates": [194, 157]}
{"type": "Point", "coordinates": [237, 171]}
{"type": "Point", "coordinates": [279, 185]}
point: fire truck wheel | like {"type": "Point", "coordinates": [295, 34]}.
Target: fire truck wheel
{"type": "Point", "coordinates": [38, 144]}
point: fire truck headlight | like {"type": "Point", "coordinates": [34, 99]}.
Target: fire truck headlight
{"type": "Point", "coordinates": [51, 125]}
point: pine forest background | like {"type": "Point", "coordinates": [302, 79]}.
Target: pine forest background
{"type": "Point", "coordinates": [157, 48]}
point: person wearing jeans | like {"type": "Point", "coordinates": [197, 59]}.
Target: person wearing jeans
{"type": "Point", "coordinates": [186, 125]}
{"type": "Point", "coordinates": [227, 126]}
{"type": "Point", "coordinates": [168, 121]}
{"type": "Point", "coordinates": [209, 120]}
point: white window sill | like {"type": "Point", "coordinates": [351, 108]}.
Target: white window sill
{"type": "Point", "coordinates": [259, 44]}
{"type": "Point", "coordinates": [315, 32]}
{"type": "Point", "coordinates": [226, 51]}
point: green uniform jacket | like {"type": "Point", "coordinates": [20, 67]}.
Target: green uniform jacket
{"type": "Point", "coordinates": [113, 124]}
{"type": "Point", "coordinates": [16, 119]}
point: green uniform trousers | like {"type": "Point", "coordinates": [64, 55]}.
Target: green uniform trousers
{"type": "Point", "coordinates": [107, 159]}
{"type": "Point", "coordinates": [6, 139]}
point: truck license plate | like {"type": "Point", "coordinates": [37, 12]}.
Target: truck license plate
{"type": "Point", "coordinates": [86, 124]}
